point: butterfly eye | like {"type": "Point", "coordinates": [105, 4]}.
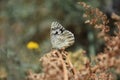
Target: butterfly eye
{"type": "Point", "coordinates": [52, 28]}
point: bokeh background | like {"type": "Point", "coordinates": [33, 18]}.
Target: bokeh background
{"type": "Point", "coordinates": [23, 21]}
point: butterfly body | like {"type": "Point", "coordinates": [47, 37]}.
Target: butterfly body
{"type": "Point", "coordinates": [60, 37]}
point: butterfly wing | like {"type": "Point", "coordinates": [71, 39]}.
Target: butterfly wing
{"type": "Point", "coordinates": [55, 25]}
{"type": "Point", "coordinates": [60, 38]}
{"type": "Point", "coordinates": [69, 38]}
{"type": "Point", "coordinates": [56, 30]}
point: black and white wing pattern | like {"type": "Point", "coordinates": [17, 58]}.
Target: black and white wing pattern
{"type": "Point", "coordinates": [60, 37]}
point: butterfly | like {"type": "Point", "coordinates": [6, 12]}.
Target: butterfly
{"type": "Point", "coordinates": [60, 37]}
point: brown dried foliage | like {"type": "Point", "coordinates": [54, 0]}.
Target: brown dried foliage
{"type": "Point", "coordinates": [57, 66]}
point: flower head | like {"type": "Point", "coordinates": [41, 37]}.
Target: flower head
{"type": "Point", "coordinates": [32, 45]}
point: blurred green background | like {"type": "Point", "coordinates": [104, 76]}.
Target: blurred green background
{"type": "Point", "coordinates": [22, 21]}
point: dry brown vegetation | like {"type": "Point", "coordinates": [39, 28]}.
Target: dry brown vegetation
{"type": "Point", "coordinates": [57, 65]}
